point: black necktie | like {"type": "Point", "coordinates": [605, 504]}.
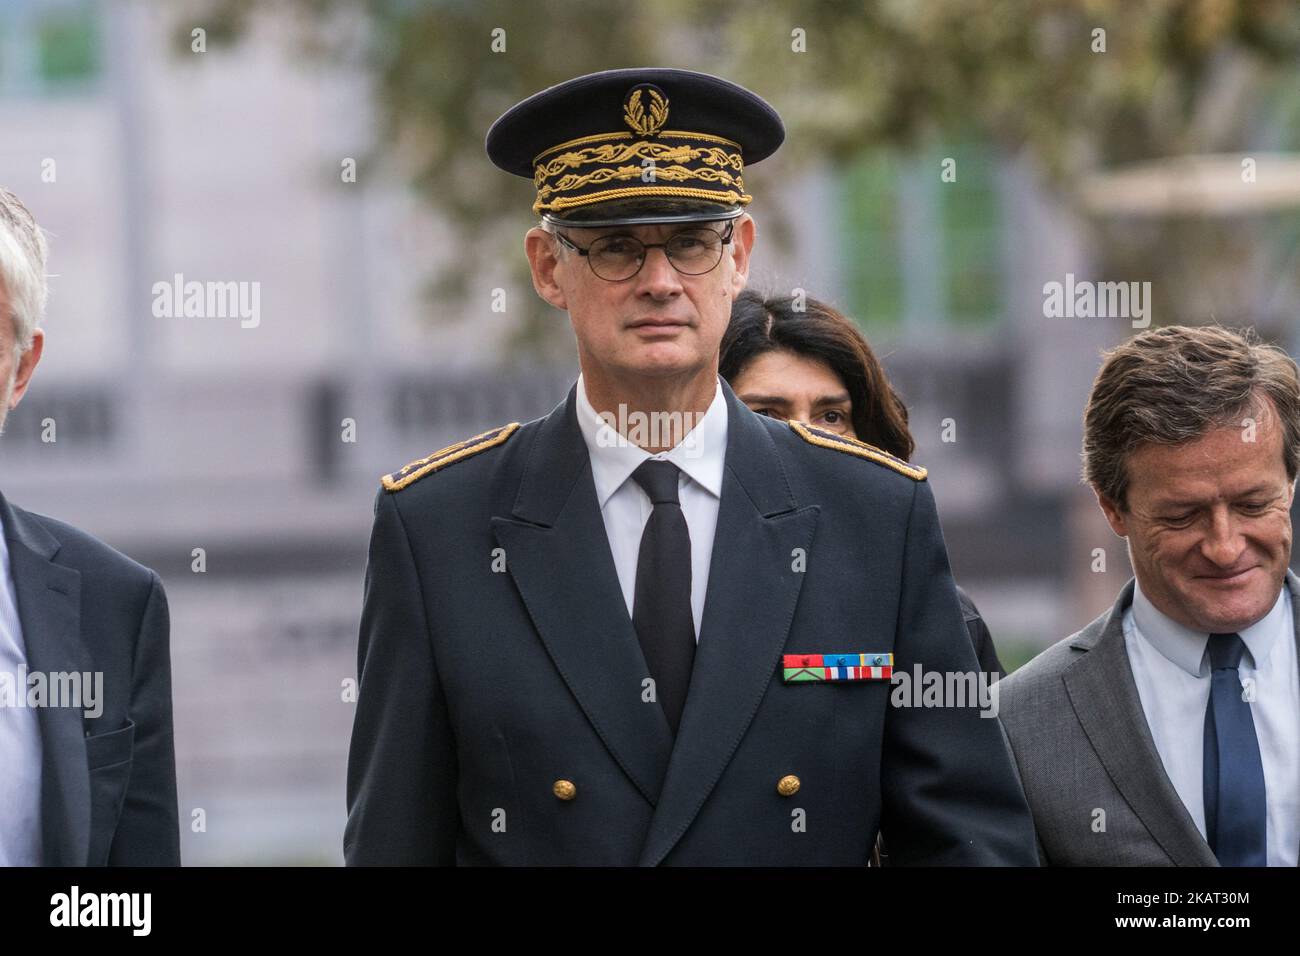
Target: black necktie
{"type": "Point", "coordinates": [1236, 809]}
{"type": "Point", "coordinates": [661, 608]}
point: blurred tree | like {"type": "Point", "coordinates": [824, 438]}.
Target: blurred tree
{"type": "Point", "coordinates": [1070, 87]}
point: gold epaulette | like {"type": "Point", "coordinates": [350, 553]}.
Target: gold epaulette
{"type": "Point", "coordinates": [409, 474]}
{"type": "Point", "coordinates": [851, 446]}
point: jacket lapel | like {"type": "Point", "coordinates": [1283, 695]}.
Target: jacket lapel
{"type": "Point", "coordinates": [49, 610]}
{"type": "Point", "coordinates": [744, 628]}
{"type": "Point", "coordinates": [558, 554]}
{"type": "Point", "coordinates": [1105, 699]}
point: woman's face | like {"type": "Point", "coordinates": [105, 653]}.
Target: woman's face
{"type": "Point", "coordinates": [784, 385]}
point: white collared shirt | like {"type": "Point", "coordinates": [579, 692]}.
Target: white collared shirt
{"type": "Point", "coordinates": [1171, 667]}
{"type": "Point", "coordinates": [20, 736]}
{"type": "Point", "coordinates": [626, 508]}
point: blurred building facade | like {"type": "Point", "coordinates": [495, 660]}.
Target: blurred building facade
{"type": "Point", "coordinates": [186, 440]}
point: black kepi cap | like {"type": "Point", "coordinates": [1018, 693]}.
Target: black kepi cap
{"type": "Point", "coordinates": [666, 138]}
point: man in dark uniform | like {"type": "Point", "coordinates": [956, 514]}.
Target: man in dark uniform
{"type": "Point", "coordinates": [653, 626]}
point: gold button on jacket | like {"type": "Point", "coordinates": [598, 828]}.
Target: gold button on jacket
{"type": "Point", "coordinates": [788, 785]}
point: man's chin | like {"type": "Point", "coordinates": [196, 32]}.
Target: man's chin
{"type": "Point", "coordinates": [1222, 608]}
{"type": "Point", "coordinates": [662, 363]}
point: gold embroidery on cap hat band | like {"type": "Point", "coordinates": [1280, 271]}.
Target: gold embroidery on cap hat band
{"type": "Point", "coordinates": [677, 192]}
{"type": "Point", "coordinates": [678, 174]}
{"type": "Point", "coordinates": [624, 134]}
{"type": "Point", "coordinates": [612, 153]}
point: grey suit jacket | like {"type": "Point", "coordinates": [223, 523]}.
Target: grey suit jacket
{"type": "Point", "coordinates": [1081, 743]}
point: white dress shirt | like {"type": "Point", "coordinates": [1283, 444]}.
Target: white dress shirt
{"type": "Point", "coordinates": [626, 508]}
{"type": "Point", "coordinates": [20, 737]}
{"type": "Point", "coordinates": [1172, 669]}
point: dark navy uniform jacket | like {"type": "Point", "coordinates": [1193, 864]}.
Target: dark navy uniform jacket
{"type": "Point", "coordinates": [501, 716]}
{"type": "Point", "coordinates": [108, 781]}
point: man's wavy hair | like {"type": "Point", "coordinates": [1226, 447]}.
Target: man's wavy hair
{"type": "Point", "coordinates": [1172, 385]}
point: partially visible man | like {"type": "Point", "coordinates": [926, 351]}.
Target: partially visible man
{"type": "Point", "coordinates": [1167, 732]}
{"type": "Point", "coordinates": [87, 770]}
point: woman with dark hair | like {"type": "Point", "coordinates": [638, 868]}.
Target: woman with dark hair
{"type": "Point", "coordinates": [815, 366]}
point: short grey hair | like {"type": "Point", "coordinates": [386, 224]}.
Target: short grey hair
{"type": "Point", "coordinates": [22, 268]}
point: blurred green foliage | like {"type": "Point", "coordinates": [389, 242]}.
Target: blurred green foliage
{"type": "Point", "coordinates": [1022, 76]}
{"type": "Point", "coordinates": [68, 45]}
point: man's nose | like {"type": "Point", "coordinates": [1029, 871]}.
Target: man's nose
{"type": "Point", "coordinates": [657, 276]}
{"type": "Point", "coordinates": [1223, 542]}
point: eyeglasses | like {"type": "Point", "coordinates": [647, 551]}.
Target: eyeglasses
{"type": "Point", "coordinates": [692, 252]}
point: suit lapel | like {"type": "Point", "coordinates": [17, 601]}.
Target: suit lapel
{"type": "Point", "coordinates": [744, 628]}
{"type": "Point", "coordinates": [49, 610]}
{"type": "Point", "coordinates": [1105, 699]}
{"type": "Point", "coordinates": [558, 554]}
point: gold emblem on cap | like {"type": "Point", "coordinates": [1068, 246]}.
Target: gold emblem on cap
{"type": "Point", "coordinates": [564, 789]}
{"type": "Point", "coordinates": [788, 785]}
{"type": "Point", "coordinates": [635, 114]}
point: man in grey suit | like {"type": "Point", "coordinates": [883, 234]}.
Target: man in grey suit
{"type": "Point", "coordinates": [1167, 731]}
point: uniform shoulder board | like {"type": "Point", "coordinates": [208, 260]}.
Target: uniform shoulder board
{"type": "Point", "coordinates": [851, 446]}
{"type": "Point", "coordinates": [409, 474]}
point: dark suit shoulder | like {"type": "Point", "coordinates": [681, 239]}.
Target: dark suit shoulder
{"type": "Point", "coordinates": [969, 611]}
{"type": "Point", "coordinates": [852, 446]}
{"type": "Point", "coordinates": [412, 472]}
{"type": "Point", "coordinates": [980, 637]}
{"type": "Point", "coordinates": [83, 551]}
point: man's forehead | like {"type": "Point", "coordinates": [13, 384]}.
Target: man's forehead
{"type": "Point", "coordinates": [1230, 465]}
{"type": "Point", "coordinates": [1202, 494]}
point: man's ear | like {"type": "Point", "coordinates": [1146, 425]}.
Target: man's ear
{"type": "Point", "coordinates": [543, 259]}
{"type": "Point", "coordinates": [1116, 516]}
{"type": "Point", "coordinates": [742, 241]}
{"type": "Point", "coordinates": [26, 366]}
